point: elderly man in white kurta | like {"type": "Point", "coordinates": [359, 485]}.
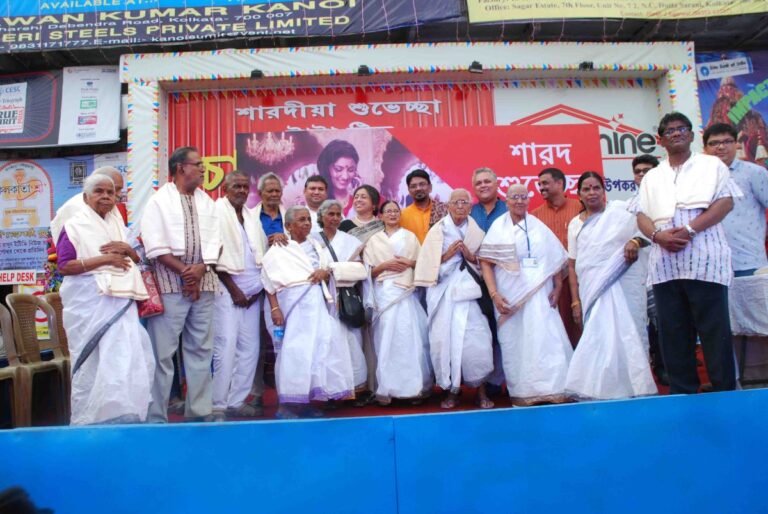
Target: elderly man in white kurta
{"type": "Point", "coordinates": [522, 262]}
{"type": "Point", "coordinates": [236, 321]}
{"type": "Point", "coordinates": [459, 335]}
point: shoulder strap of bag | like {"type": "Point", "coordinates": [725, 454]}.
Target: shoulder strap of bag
{"type": "Point", "coordinates": [330, 248]}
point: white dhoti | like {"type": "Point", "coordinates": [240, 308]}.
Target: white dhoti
{"type": "Point", "coordinates": [114, 383]}
{"type": "Point", "coordinates": [236, 344]}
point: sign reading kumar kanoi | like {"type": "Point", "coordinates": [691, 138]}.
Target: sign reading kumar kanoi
{"type": "Point", "coordinates": [33, 25]}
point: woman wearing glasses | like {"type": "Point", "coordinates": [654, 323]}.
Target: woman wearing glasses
{"type": "Point", "coordinates": [522, 261]}
{"type": "Point", "coordinates": [399, 321]}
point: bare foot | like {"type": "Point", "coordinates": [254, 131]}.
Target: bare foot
{"type": "Point", "coordinates": [482, 399]}
{"type": "Point", "coordinates": [285, 412]}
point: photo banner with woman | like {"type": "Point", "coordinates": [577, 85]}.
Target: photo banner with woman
{"type": "Point", "coordinates": [448, 129]}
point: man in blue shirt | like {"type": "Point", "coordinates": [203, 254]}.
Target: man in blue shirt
{"type": "Point", "coordinates": [487, 209]}
{"type": "Point", "coordinates": [745, 224]}
{"type": "Point", "coordinates": [270, 209]}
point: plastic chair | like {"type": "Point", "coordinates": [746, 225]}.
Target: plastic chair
{"type": "Point", "coordinates": [54, 300]}
{"type": "Point", "coordinates": [23, 310]}
{"type": "Point", "coordinates": [21, 400]}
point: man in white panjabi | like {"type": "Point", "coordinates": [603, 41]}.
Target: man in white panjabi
{"type": "Point", "coordinates": [522, 261]}
{"type": "Point", "coordinates": [112, 372]}
{"type": "Point", "coordinates": [236, 329]}
{"type": "Point", "coordinates": [459, 335]}
{"type": "Point", "coordinates": [313, 360]}
{"type": "Point", "coordinates": [77, 202]}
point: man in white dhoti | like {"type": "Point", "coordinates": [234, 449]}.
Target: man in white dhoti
{"type": "Point", "coordinates": [180, 230]}
{"type": "Point", "coordinates": [76, 203]}
{"type": "Point", "coordinates": [611, 360]}
{"type": "Point", "coordinates": [111, 352]}
{"type": "Point", "coordinates": [522, 263]}
{"type": "Point", "coordinates": [236, 325]}
{"type": "Point", "coordinates": [459, 336]}
{"type": "Point", "coordinates": [313, 361]}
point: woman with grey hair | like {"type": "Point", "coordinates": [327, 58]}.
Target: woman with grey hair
{"type": "Point", "coordinates": [344, 248]}
{"type": "Point", "coordinates": [313, 362]}
{"type": "Point", "coordinates": [112, 358]}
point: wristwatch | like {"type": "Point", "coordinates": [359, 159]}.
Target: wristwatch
{"type": "Point", "coordinates": [691, 232]}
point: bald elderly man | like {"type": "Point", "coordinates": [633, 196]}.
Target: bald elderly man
{"type": "Point", "coordinates": [74, 204]}
{"type": "Point", "coordinates": [459, 335]}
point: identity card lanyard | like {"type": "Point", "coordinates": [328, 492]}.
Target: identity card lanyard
{"type": "Point", "coordinates": [528, 262]}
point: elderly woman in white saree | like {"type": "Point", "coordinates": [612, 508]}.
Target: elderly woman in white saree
{"type": "Point", "coordinates": [522, 263]}
{"type": "Point", "coordinates": [611, 360]}
{"type": "Point", "coordinates": [460, 341]}
{"type": "Point", "coordinates": [343, 249]}
{"type": "Point", "coordinates": [313, 362]}
{"type": "Point", "coordinates": [399, 321]}
{"type": "Point", "coordinates": [112, 358]}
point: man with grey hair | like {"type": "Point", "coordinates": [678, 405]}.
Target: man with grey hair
{"type": "Point", "coordinates": [181, 233]}
{"type": "Point", "coordinates": [270, 210]}
{"type": "Point", "coordinates": [459, 336]}
{"type": "Point", "coordinates": [74, 204]}
{"type": "Point", "coordinates": [487, 210]}
{"type": "Point", "coordinates": [236, 324]}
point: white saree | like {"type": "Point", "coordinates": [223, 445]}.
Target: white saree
{"type": "Point", "coordinates": [313, 361]}
{"type": "Point", "coordinates": [114, 382]}
{"type": "Point", "coordinates": [610, 360]}
{"type": "Point", "coordinates": [399, 324]}
{"type": "Point", "coordinates": [459, 335]}
{"type": "Point", "coordinates": [534, 345]}
{"type": "Point", "coordinates": [347, 248]}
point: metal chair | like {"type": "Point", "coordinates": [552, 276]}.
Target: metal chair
{"type": "Point", "coordinates": [21, 399]}
{"type": "Point", "coordinates": [23, 310]}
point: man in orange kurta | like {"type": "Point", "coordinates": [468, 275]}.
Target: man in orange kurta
{"type": "Point", "coordinates": [556, 212]}
{"type": "Point", "coordinates": [423, 212]}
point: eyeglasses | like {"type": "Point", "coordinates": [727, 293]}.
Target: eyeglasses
{"type": "Point", "coordinates": [391, 211]}
{"type": "Point", "coordinates": [520, 196]}
{"type": "Point", "coordinates": [460, 203]}
{"type": "Point", "coordinates": [723, 142]}
{"type": "Point", "coordinates": [683, 130]}
{"type": "Point", "coordinates": [198, 164]}
{"type": "Point", "coordinates": [638, 171]}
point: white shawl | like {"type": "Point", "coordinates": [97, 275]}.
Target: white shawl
{"type": "Point", "coordinates": [231, 259]}
{"type": "Point", "coordinates": [695, 186]}
{"type": "Point", "coordinates": [69, 209]}
{"type": "Point", "coordinates": [162, 225]}
{"type": "Point", "coordinates": [88, 232]}
{"type": "Point", "coordinates": [288, 266]}
{"type": "Point", "coordinates": [431, 253]}
{"type": "Point", "coordinates": [378, 250]}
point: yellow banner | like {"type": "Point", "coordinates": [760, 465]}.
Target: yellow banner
{"type": "Point", "coordinates": [483, 11]}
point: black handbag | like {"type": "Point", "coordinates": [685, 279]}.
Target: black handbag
{"type": "Point", "coordinates": [349, 302]}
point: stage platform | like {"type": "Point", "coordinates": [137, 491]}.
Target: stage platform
{"type": "Point", "coordinates": [699, 454]}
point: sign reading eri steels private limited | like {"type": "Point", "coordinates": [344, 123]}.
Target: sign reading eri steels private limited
{"type": "Point", "coordinates": [32, 25]}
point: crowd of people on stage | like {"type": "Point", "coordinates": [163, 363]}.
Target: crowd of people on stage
{"type": "Point", "coordinates": [562, 303]}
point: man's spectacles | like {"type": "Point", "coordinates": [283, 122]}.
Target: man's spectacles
{"type": "Point", "coordinates": [198, 164]}
{"type": "Point", "coordinates": [722, 142]}
{"type": "Point", "coordinates": [683, 130]}
{"type": "Point", "coordinates": [520, 196]}
{"type": "Point", "coordinates": [460, 203]}
{"type": "Point", "coordinates": [638, 171]}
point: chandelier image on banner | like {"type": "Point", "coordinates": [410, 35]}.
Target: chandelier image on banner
{"type": "Point", "coordinates": [270, 149]}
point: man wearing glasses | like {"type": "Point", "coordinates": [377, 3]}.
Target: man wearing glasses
{"type": "Point", "coordinates": [682, 202]}
{"type": "Point", "coordinates": [459, 335]}
{"type": "Point", "coordinates": [745, 224]}
{"type": "Point", "coordinates": [180, 230]}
